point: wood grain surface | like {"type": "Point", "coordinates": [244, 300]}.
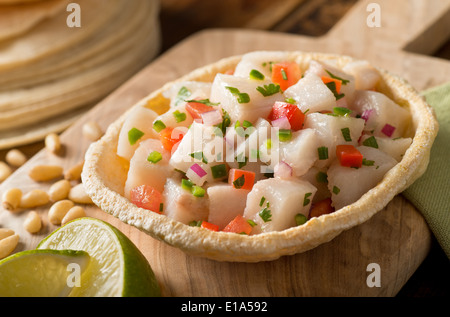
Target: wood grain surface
{"type": "Point", "coordinates": [397, 238]}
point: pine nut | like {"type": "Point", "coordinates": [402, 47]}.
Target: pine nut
{"type": "Point", "coordinates": [33, 222]}
{"type": "Point", "coordinates": [4, 233]}
{"type": "Point", "coordinates": [11, 199]}
{"type": "Point", "coordinates": [34, 198]}
{"type": "Point", "coordinates": [78, 195]}
{"type": "Point", "coordinates": [74, 213]}
{"type": "Point", "coordinates": [92, 131]}
{"type": "Point", "coordinates": [7, 245]}
{"type": "Point", "coordinates": [59, 190]}
{"type": "Point", "coordinates": [44, 173]}
{"type": "Point", "coordinates": [58, 210]}
{"type": "Point", "coordinates": [74, 173]}
{"type": "Point", "coordinates": [15, 158]}
{"type": "Point", "coordinates": [53, 143]}
{"type": "Point", "coordinates": [5, 171]}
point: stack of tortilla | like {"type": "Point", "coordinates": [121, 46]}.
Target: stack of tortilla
{"type": "Point", "coordinates": [50, 73]}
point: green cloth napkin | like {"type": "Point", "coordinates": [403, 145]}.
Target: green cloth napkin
{"type": "Point", "coordinates": [430, 194]}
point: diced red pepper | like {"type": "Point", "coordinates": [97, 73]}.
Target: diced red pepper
{"type": "Point", "coordinates": [170, 137]}
{"type": "Point", "coordinates": [321, 207]}
{"type": "Point", "coordinates": [238, 225]}
{"type": "Point", "coordinates": [196, 109]}
{"type": "Point", "coordinates": [292, 112]}
{"type": "Point", "coordinates": [338, 82]}
{"type": "Point", "coordinates": [145, 196]}
{"type": "Point", "coordinates": [241, 179]}
{"type": "Point", "coordinates": [286, 74]}
{"type": "Point", "coordinates": [349, 156]}
{"type": "Point", "coordinates": [209, 226]}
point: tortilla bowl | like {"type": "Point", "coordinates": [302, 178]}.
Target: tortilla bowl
{"type": "Point", "coordinates": [105, 173]}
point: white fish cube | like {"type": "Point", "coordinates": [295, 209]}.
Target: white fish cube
{"type": "Point", "coordinates": [187, 90]}
{"type": "Point", "coordinates": [181, 205]}
{"type": "Point", "coordinates": [331, 131]}
{"type": "Point", "coordinates": [273, 203]}
{"type": "Point", "coordinates": [259, 61]}
{"type": "Point", "coordinates": [258, 106]}
{"type": "Point", "coordinates": [366, 76]}
{"type": "Point", "coordinates": [382, 112]}
{"type": "Point", "coordinates": [143, 172]}
{"type": "Point", "coordinates": [348, 184]}
{"type": "Point", "coordinates": [225, 203]}
{"type": "Point", "coordinates": [394, 147]}
{"type": "Point", "coordinates": [138, 118]}
{"type": "Point", "coordinates": [310, 93]}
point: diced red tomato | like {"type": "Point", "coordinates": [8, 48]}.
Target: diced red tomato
{"type": "Point", "coordinates": [338, 82]}
{"type": "Point", "coordinates": [145, 196]}
{"type": "Point", "coordinates": [292, 112]}
{"type": "Point", "coordinates": [170, 137]}
{"type": "Point", "coordinates": [322, 207]}
{"type": "Point", "coordinates": [209, 226]}
{"type": "Point", "coordinates": [349, 156]}
{"type": "Point", "coordinates": [241, 179]}
{"type": "Point", "coordinates": [196, 109]}
{"type": "Point", "coordinates": [238, 225]}
{"type": "Point", "coordinates": [286, 74]}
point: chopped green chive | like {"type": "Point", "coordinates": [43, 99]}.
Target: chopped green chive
{"type": "Point", "coordinates": [344, 81]}
{"type": "Point", "coordinates": [255, 74]}
{"type": "Point", "coordinates": [322, 177]}
{"type": "Point", "coordinates": [283, 74]}
{"type": "Point", "coordinates": [242, 97]}
{"type": "Point", "coordinates": [371, 142]}
{"type": "Point", "coordinates": [346, 134]}
{"type": "Point", "coordinates": [134, 135]}
{"type": "Point", "coordinates": [366, 162]}
{"type": "Point", "coordinates": [261, 202]}
{"type": "Point", "coordinates": [269, 90]}
{"type": "Point", "coordinates": [197, 191]}
{"type": "Point", "coordinates": [154, 157]}
{"type": "Point", "coordinates": [341, 111]}
{"type": "Point", "coordinates": [251, 222]}
{"type": "Point", "coordinates": [158, 126]}
{"type": "Point", "coordinates": [291, 101]}
{"type": "Point", "coordinates": [332, 86]}
{"type": "Point", "coordinates": [336, 190]}
{"type": "Point", "coordinates": [219, 171]}
{"type": "Point", "coordinates": [300, 219]}
{"type": "Point", "coordinates": [187, 184]}
{"type": "Point", "coordinates": [306, 200]}
{"type": "Point", "coordinates": [199, 156]}
{"type": "Point", "coordinates": [161, 207]}
{"type": "Point", "coordinates": [179, 116]}
{"type": "Point", "coordinates": [183, 93]}
{"type": "Point", "coordinates": [323, 153]}
{"type": "Point", "coordinates": [285, 135]}
{"type": "Point", "coordinates": [265, 214]}
{"type": "Point", "coordinates": [239, 182]}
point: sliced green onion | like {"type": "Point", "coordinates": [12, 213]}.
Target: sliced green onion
{"type": "Point", "coordinates": [183, 93]}
{"type": "Point", "coordinates": [285, 135]}
{"type": "Point", "coordinates": [154, 157]}
{"type": "Point", "coordinates": [366, 162]}
{"type": "Point", "coordinates": [197, 191]}
{"type": "Point", "coordinates": [161, 207]}
{"type": "Point", "coordinates": [323, 153]}
{"type": "Point", "coordinates": [255, 74]}
{"type": "Point", "coordinates": [283, 74]}
{"type": "Point", "coordinates": [341, 111]}
{"type": "Point", "coordinates": [179, 116]}
{"type": "Point", "coordinates": [219, 171]}
{"type": "Point", "coordinates": [134, 135]}
{"type": "Point", "coordinates": [306, 200]}
{"type": "Point", "coordinates": [242, 97]}
{"type": "Point", "coordinates": [371, 142]}
{"type": "Point", "coordinates": [300, 219]}
{"type": "Point", "coordinates": [187, 184]}
{"type": "Point", "coordinates": [322, 177]}
{"type": "Point", "coordinates": [291, 101]}
{"type": "Point", "coordinates": [261, 202]}
{"type": "Point", "coordinates": [346, 134]}
{"type": "Point", "coordinates": [251, 222]}
{"type": "Point", "coordinates": [158, 126]}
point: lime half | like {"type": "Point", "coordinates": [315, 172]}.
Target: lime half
{"type": "Point", "coordinates": [117, 268]}
{"type": "Point", "coordinates": [41, 273]}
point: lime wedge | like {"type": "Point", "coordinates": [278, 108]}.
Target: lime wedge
{"type": "Point", "coordinates": [41, 273]}
{"type": "Point", "coordinates": [117, 267]}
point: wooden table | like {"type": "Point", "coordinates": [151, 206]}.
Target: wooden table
{"type": "Point", "coordinates": [181, 18]}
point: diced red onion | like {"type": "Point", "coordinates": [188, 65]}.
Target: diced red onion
{"type": "Point", "coordinates": [366, 114]}
{"type": "Point", "coordinates": [211, 118]}
{"type": "Point", "coordinates": [282, 123]}
{"type": "Point", "coordinates": [196, 174]}
{"type": "Point", "coordinates": [283, 170]}
{"type": "Point", "coordinates": [388, 130]}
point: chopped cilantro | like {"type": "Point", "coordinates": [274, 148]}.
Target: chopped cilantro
{"type": "Point", "coordinates": [269, 90]}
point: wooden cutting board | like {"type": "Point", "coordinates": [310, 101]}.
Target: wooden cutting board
{"type": "Point", "coordinates": [397, 238]}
